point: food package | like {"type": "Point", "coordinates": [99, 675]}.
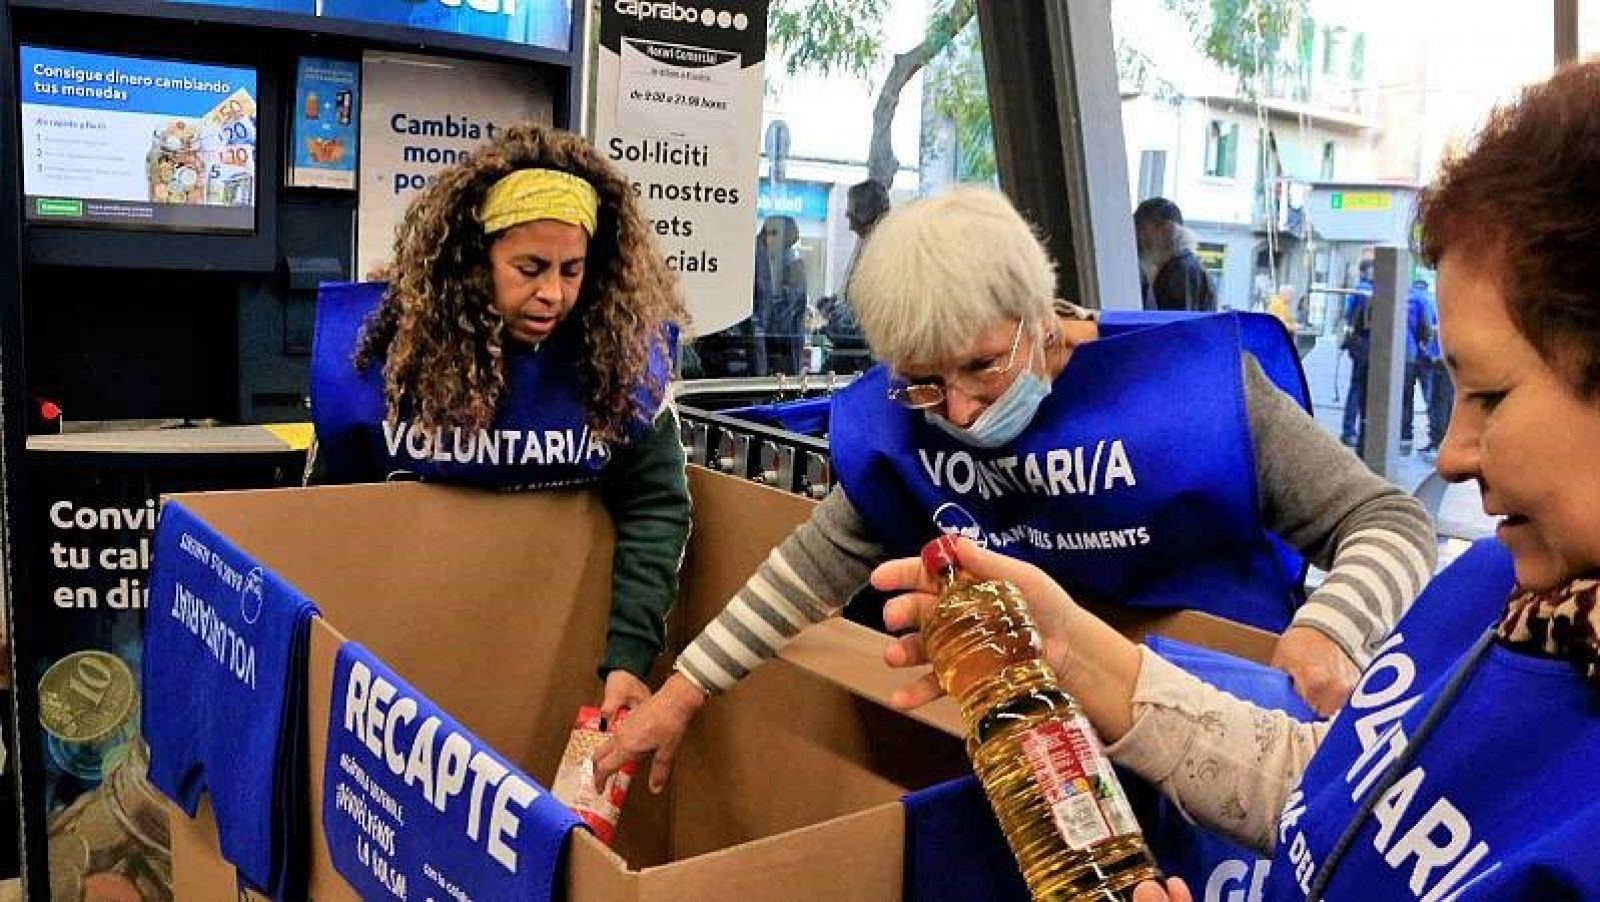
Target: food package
{"type": "Point", "coordinates": [574, 783]}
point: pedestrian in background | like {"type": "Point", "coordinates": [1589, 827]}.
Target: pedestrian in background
{"type": "Point", "coordinates": [1419, 331]}
{"type": "Point", "coordinates": [784, 306]}
{"type": "Point", "coordinates": [868, 202]}
{"type": "Point", "coordinates": [1173, 276]}
{"type": "Point", "coordinates": [1357, 342]}
{"type": "Point", "coordinates": [1437, 386]}
{"type": "Point", "coordinates": [1281, 305]}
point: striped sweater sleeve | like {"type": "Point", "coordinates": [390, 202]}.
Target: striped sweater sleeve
{"type": "Point", "coordinates": [1374, 540]}
{"type": "Point", "coordinates": [805, 580]}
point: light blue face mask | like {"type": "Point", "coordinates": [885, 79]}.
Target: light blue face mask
{"type": "Point", "coordinates": [1005, 419]}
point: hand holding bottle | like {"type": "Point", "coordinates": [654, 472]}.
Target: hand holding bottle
{"type": "Point", "coordinates": [1052, 788]}
{"type": "Point", "coordinates": [1090, 659]}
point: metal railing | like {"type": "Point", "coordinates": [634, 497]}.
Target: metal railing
{"type": "Point", "coordinates": [769, 455]}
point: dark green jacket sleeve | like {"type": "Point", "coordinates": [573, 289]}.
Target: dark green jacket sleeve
{"type": "Point", "coordinates": [646, 490]}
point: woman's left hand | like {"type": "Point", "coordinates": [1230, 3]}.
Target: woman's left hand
{"type": "Point", "coordinates": [1323, 674]}
{"type": "Point", "coordinates": [623, 690]}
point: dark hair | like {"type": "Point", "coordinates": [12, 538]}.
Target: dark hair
{"type": "Point", "coordinates": [1157, 209]}
{"type": "Point", "coordinates": [790, 228]}
{"type": "Point", "coordinates": [873, 197]}
{"type": "Point", "coordinates": [1526, 196]}
{"type": "Point", "coordinates": [437, 335]}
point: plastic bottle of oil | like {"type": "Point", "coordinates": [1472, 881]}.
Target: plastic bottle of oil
{"type": "Point", "coordinates": [1047, 777]}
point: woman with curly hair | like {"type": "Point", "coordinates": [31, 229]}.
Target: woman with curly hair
{"type": "Point", "coordinates": [524, 341]}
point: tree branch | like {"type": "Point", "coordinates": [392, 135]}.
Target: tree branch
{"type": "Point", "coordinates": [882, 164]}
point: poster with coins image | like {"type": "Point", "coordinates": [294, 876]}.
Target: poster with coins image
{"type": "Point", "coordinates": [78, 630]}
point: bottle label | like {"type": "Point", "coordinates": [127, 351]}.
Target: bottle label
{"type": "Point", "coordinates": [1072, 771]}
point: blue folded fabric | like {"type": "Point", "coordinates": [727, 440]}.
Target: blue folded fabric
{"type": "Point", "coordinates": [1214, 867]}
{"type": "Point", "coordinates": [954, 849]}
{"type": "Point", "coordinates": [224, 677]}
{"type": "Point", "coordinates": [1268, 687]}
{"type": "Point", "coordinates": [416, 807]}
{"type": "Point", "coordinates": [807, 416]}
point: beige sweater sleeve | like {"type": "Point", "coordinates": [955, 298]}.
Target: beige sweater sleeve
{"type": "Point", "coordinates": [1227, 764]}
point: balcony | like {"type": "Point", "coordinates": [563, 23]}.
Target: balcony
{"type": "Point", "coordinates": [1282, 209]}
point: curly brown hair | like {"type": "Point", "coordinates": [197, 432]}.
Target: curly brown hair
{"type": "Point", "coordinates": [1526, 198]}
{"type": "Point", "coordinates": [438, 335]}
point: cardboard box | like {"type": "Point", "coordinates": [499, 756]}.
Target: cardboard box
{"type": "Point", "coordinates": [787, 788]}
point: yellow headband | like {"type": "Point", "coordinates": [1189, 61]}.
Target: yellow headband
{"type": "Point", "coordinates": [529, 194]}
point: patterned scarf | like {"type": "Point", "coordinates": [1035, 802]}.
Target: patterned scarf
{"type": "Point", "coordinates": [1563, 624]}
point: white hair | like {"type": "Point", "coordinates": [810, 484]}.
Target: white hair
{"type": "Point", "coordinates": [939, 271]}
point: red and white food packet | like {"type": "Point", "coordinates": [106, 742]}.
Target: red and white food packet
{"type": "Point", "coordinates": [574, 783]}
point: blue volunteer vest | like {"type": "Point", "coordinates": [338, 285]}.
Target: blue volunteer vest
{"type": "Point", "coordinates": [1497, 802]}
{"type": "Point", "coordinates": [1134, 484]}
{"type": "Point", "coordinates": [539, 439]}
{"type": "Point", "coordinates": [1261, 334]}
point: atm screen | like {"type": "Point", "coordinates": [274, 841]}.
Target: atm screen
{"type": "Point", "coordinates": [137, 143]}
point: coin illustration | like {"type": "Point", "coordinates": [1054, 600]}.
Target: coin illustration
{"type": "Point", "coordinates": [85, 696]}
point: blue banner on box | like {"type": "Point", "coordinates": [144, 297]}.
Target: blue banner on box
{"type": "Point", "coordinates": [225, 646]}
{"type": "Point", "coordinates": [327, 100]}
{"type": "Point", "coordinates": [415, 807]}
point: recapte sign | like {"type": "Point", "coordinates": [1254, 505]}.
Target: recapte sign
{"type": "Point", "coordinates": [416, 807]}
{"type": "Point", "coordinates": [679, 89]}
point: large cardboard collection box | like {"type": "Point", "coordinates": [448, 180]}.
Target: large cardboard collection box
{"type": "Point", "coordinates": [495, 607]}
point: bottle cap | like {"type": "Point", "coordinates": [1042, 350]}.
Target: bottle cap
{"type": "Point", "coordinates": [939, 556]}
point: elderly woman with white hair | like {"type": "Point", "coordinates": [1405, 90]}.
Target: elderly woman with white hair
{"type": "Point", "coordinates": [1150, 468]}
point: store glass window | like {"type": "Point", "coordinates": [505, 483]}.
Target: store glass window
{"type": "Point", "coordinates": [1222, 149]}
{"type": "Point", "coordinates": [1213, 257]}
{"type": "Point", "coordinates": [1350, 106]}
{"type": "Point", "coordinates": [867, 106]}
{"type": "Point", "coordinates": [1152, 173]}
{"type": "Point", "coordinates": [1588, 27]}
{"type": "Point", "coordinates": [1335, 41]}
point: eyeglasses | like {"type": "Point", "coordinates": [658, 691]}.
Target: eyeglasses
{"type": "Point", "coordinates": [977, 381]}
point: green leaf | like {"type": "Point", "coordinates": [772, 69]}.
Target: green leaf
{"type": "Point", "coordinates": [827, 37]}
{"type": "Point", "coordinates": [1244, 37]}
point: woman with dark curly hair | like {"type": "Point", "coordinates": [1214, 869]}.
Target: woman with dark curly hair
{"type": "Point", "coordinates": [524, 341]}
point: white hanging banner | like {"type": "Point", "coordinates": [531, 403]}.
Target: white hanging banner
{"type": "Point", "coordinates": [679, 112]}
{"type": "Point", "coordinates": [420, 114]}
